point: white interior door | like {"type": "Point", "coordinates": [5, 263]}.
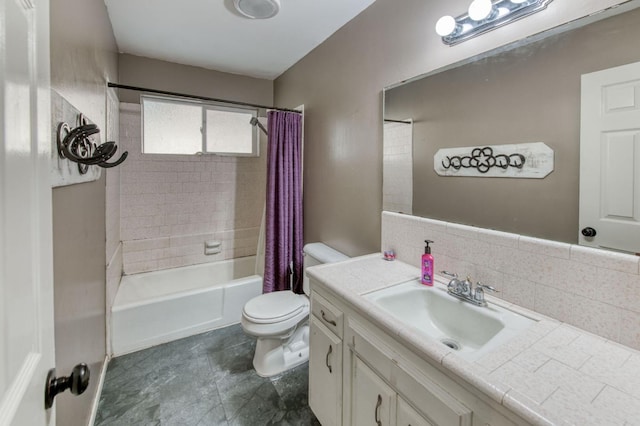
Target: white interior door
{"type": "Point", "coordinates": [610, 158]}
{"type": "Point", "coordinates": [26, 286]}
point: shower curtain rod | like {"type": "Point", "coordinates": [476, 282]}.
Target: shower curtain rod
{"type": "Point", "coordinates": [200, 98]}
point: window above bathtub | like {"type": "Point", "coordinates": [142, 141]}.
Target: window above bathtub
{"type": "Point", "coordinates": [174, 126]}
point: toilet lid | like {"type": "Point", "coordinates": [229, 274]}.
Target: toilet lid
{"type": "Point", "coordinates": [274, 307]}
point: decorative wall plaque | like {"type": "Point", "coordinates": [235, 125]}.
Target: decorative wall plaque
{"type": "Point", "coordinates": [526, 160]}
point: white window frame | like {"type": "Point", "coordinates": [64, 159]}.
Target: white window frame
{"type": "Point", "coordinates": [255, 136]}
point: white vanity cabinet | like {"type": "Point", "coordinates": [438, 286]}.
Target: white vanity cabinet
{"type": "Point", "coordinates": [361, 375]}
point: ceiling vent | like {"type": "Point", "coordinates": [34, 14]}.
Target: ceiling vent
{"type": "Point", "coordinates": [257, 9]}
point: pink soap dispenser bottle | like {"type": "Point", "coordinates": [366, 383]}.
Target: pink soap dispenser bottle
{"type": "Point", "coordinates": [427, 265]}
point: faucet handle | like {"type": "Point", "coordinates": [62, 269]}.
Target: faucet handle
{"type": "Point", "coordinates": [449, 274]}
{"type": "Point", "coordinates": [486, 287]}
{"type": "Point", "coordinates": [478, 296]}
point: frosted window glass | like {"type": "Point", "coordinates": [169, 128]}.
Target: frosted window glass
{"type": "Point", "coordinates": [180, 127]}
{"type": "Point", "coordinates": [229, 132]}
{"type": "Point", "coordinates": [171, 127]}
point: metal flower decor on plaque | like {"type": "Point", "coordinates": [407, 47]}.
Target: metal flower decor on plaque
{"type": "Point", "coordinates": [527, 160]}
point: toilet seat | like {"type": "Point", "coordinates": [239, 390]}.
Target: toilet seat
{"type": "Point", "coordinates": [274, 307]}
{"type": "Point", "coordinates": [282, 325]}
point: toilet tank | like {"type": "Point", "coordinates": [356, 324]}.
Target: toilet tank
{"type": "Point", "coordinates": [318, 254]}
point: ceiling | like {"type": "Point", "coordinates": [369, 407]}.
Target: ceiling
{"type": "Point", "coordinates": [212, 34]}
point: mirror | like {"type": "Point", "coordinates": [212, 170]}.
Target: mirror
{"type": "Point", "coordinates": [524, 93]}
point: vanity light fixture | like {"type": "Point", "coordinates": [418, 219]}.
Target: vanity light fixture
{"type": "Point", "coordinates": [483, 16]}
{"type": "Point", "coordinates": [479, 10]}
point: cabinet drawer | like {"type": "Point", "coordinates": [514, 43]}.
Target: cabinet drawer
{"type": "Point", "coordinates": [328, 314]}
{"type": "Point", "coordinates": [433, 400]}
{"type": "Point", "coordinates": [407, 416]}
{"type": "Point", "coordinates": [370, 348]}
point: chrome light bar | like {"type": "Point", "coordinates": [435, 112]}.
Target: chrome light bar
{"type": "Point", "coordinates": [485, 15]}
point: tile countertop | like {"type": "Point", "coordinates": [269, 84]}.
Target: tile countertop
{"type": "Point", "coordinates": [552, 374]}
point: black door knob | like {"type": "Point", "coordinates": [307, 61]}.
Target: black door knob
{"type": "Point", "coordinates": [77, 381]}
{"type": "Point", "coordinates": [589, 232]}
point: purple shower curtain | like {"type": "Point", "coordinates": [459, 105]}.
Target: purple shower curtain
{"type": "Point", "coordinates": [283, 245]}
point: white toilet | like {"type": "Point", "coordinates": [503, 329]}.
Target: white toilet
{"type": "Point", "coordinates": [280, 320]}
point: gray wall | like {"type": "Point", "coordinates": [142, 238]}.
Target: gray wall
{"type": "Point", "coordinates": [529, 94]}
{"type": "Point", "coordinates": [156, 74]}
{"type": "Point", "coordinates": [83, 58]}
{"type": "Point", "coordinates": [340, 82]}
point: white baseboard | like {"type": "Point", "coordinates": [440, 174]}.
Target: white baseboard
{"type": "Point", "coordinates": [96, 399]}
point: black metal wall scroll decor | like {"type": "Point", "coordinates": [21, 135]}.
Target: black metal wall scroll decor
{"type": "Point", "coordinates": [530, 160]}
{"type": "Point", "coordinates": [483, 159]}
{"type": "Point", "coordinates": [78, 146]}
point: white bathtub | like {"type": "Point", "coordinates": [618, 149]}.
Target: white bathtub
{"type": "Point", "coordinates": [157, 307]}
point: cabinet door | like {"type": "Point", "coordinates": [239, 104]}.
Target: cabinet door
{"type": "Point", "coordinates": [407, 416]}
{"type": "Point", "coordinates": [372, 400]}
{"type": "Point", "coordinates": [325, 374]}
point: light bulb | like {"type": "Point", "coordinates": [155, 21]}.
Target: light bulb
{"type": "Point", "coordinates": [480, 9]}
{"type": "Point", "coordinates": [446, 26]}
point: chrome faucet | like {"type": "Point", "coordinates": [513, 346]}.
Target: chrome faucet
{"type": "Point", "coordinates": [464, 290]}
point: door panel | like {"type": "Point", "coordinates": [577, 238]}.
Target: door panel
{"type": "Point", "coordinates": [618, 166]}
{"type": "Point", "coordinates": [610, 158]}
{"type": "Point", "coordinates": [26, 299]}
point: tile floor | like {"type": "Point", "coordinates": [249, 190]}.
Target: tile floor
{"type": "Point", "coordinates": [206, 379]}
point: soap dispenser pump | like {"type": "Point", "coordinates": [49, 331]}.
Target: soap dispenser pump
{"type": "Point", "coordinates": [427, 265]}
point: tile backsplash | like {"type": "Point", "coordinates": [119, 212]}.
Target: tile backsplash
{"type": "Point", "coordinates": [171, 204]}
{"type": "Point", "coordinates": [596, 290]}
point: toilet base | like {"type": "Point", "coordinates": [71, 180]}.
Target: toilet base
{"type": "Point", "coordinates": [276, 355]}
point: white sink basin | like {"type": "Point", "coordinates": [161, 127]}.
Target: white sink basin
{"type": "Point", "coordinates": [470, 330]}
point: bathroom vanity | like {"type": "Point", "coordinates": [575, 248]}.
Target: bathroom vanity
{"type": "Point", "coordinates": [367, 366]}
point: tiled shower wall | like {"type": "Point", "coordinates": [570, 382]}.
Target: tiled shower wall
{"type": "Point", "coordinates": [596, 290]}
{"type": "Point", "coordinates": [172, 204]}
{"type": "Point", "coordinates": [397, 165]}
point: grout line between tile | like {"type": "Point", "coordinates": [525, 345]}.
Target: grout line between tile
{"type": "Point", "coordinates": [601, 390]}
{"type": "Point", "coordinates": [550, 395]}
